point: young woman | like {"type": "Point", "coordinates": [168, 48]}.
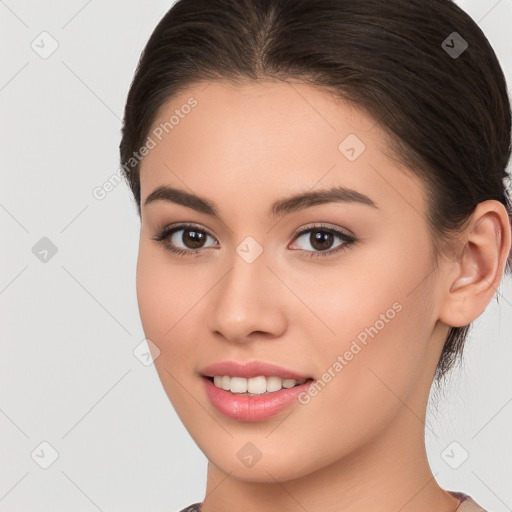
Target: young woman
{"type": "Point", "coordinates": [323, 214]}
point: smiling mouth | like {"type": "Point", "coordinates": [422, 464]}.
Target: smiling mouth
{"type": "Point", "coordinates": [275, 386]}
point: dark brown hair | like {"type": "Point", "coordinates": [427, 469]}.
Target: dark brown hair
{"type": "Point", "coordinates": [448, 115]}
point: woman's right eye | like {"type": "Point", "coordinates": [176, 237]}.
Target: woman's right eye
{"type": "Point", "coordinates": [190, 236]}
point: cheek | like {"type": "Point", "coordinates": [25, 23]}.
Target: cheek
{"type": "Point", "coordinates": [151, 297]}
{"type": "Point", "coordinates": [169, 299]}
{"type": "Point", "coordinates": [163, 293]}
{"type": "Point", "coordinates": [377, 316]}
{"type": "Point", "coordinates": [165, 307]}
{"type": "Point", "coordinates": [373, 363]}
{"type": "Point", "coordinates": [162, 300]}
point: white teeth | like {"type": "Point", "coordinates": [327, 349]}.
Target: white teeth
{"type": "Point", "coordinates": [224, 384]}
{"type": "Point", "coordinates": [274, 383]}
{"type": "Point", "coordinates": [254, 385]}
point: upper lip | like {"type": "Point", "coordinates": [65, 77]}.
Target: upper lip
{"type": "Point", "coordinates": [250, 369]}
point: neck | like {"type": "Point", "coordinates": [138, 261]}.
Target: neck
{"type": "Point", "coordinates": [383, 476]}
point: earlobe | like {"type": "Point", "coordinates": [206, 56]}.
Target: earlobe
{"type": "Point", "coordinates": [476, 273]}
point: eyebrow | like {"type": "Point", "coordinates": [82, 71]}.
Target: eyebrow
{"type": "Point", "coordinates": [280, 208]}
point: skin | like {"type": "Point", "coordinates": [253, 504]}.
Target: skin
{"type": "Point", "coordinates": [359, 444]}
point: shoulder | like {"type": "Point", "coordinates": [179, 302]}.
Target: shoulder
{"type": "Point", "coordinates": [467, 504]}
{"type": "Point", "coordinates": [470, 505]}
{"type": "Point", "coordinates": [194, 508]}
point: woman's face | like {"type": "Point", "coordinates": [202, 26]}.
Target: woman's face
{"type": "Point", "coordinates": [357, 313]}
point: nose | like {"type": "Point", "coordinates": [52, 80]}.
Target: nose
{"type": "Point", "coordinates": [248, 303]}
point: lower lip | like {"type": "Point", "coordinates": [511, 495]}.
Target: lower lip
{"type": "Point", "coordinates": [252, 408]}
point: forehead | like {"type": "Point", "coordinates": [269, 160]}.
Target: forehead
{"type": "Point", "coordinates": [250, 138]}
{"type": "Point", "coordinates": [266, 104]}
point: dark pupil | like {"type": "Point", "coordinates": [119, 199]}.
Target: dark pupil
{"type": "Point", "coordinates": [321, 240]}
{"type": "Point", "coordinates": [194, 238]}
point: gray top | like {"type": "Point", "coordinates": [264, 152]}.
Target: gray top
{"type": "Point", "coordinates": [467, 504]}
{"type": "Point", "coordinates": [192, 508]}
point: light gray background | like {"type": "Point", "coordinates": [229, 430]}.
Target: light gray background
{"type": "Point", "coordinates": [69, 376]}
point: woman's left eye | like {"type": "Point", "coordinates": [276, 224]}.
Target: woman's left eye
{"type": "Point", "coordinates": [320, 237]}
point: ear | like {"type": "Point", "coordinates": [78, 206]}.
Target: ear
{"type": "Point", "coordinates": [474, 274]}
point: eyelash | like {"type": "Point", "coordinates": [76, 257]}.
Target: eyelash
{"type": "Point", "coordinates": [168, 231]}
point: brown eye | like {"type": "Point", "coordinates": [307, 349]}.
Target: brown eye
{"type": "Point", "coordinates": [184, 239]}
{"type": "Point", "coordinates": [192, 238]}
{"type": "Point", "coordinates": [321, 240]}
